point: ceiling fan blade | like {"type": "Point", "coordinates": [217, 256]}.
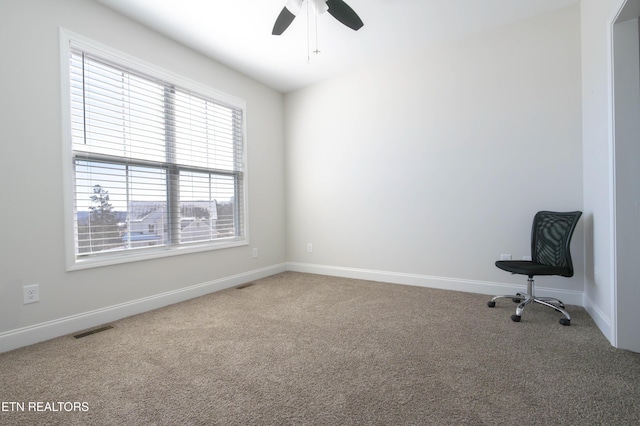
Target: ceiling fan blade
{"type": "Point", "coordinates": [343, 13]}
{"type": "Point", "coordinates": [282, 23]}
{"type": "Point", "coordinates": [286, 17]}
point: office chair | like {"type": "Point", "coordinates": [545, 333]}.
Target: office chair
{"type": "Point", "coordinates": [550, 239]}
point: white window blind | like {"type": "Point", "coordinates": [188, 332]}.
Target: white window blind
{"type": "Point", "coordinates": [155, 165]}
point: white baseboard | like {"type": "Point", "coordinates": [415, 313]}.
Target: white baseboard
{"type": "Point", "coordinates": [601, 320]}
{"type": "Point", "coordinates": [570, 297]}
{"type": "Point", "coordinates": [14, 339]}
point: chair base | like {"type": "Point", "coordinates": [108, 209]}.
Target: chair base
{"type": "Point", "coordinates": [530, 298]}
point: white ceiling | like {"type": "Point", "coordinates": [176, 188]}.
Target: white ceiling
{"type": "Point", "coordinates": [237, 33]}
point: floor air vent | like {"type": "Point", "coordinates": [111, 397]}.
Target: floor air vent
{"type": "Point", "coordinates": [240, 287]}
{"type": "Point", "coordinates": [94, 331]}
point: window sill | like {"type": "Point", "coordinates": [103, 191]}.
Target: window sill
{"type": "Point", "coordinates": [137, 256]}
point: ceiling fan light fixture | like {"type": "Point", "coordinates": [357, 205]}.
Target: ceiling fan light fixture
{"type": "Point", "coordinates": [294, 6]}
{"type": "Point", "coordinates": [320, 6]}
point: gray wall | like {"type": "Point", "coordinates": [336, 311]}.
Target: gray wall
{"type": "Point", "coordinates": [425, 168]}
{"type": "Point", "coordinates": [597, 17]}
{"type": "Point", "coordinates": [32, 238]}
{"type": "Point", "coordinates": [427, 186]}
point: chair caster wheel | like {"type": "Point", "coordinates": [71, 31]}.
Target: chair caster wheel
{"type": "Point", "coordinates": [491, 303]}
{"type": "Point", "coordinates": [515, 318]}
{"type": "Point", "coordinates": [516, 300]}
{"type": "Point", "coordinates": [565, 321]}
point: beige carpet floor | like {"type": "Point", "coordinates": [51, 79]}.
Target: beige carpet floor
{"type": "Point", "coordinates": [301, 349]}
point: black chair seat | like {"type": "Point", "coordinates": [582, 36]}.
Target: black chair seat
{"type": "Point", "coordinates": [530, 268]}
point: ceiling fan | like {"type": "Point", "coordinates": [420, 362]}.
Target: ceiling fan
{"type": "Point", "coordinates": [337, 8]}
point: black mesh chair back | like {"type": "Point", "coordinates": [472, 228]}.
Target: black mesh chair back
{"type": "Point", "coordinates": [550, 240]}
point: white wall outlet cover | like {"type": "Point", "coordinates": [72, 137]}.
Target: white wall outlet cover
{"type": "Point", "coordinates": [31, 293]}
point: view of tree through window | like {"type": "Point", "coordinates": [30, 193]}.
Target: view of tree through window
{"type": "Point", "coordinates": [154, 164]}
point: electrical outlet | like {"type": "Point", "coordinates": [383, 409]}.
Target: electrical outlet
{"type": "Point", "coordinates": [31, 293]}
{"type": "Point", "coordinates": [255, 253]}
{"type": "Point", "coordinates": [505, 257]}
{"type": "Point", "coordinates": [309, 248]}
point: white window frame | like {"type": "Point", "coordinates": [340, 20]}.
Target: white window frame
{"type": "Point", "coordinates": [73, 261]}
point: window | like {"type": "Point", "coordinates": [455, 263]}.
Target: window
{"type": "Point", "coordinates": [156, 166]}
